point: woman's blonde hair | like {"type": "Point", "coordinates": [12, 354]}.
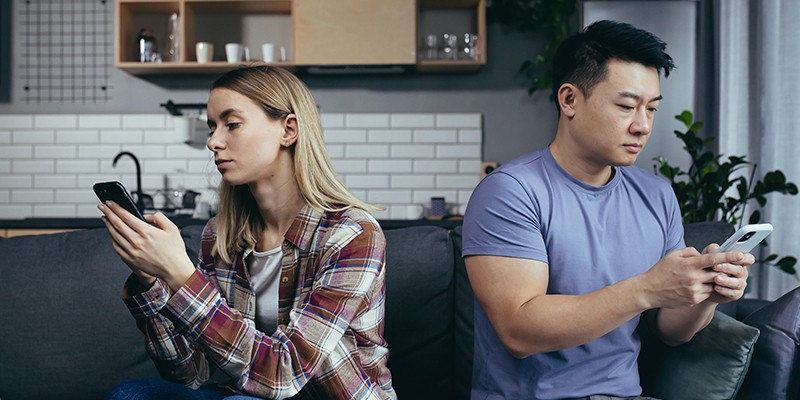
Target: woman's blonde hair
{"type": "Point", "coordinates": [280, 93]}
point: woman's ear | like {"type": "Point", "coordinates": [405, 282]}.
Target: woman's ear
{"type": "Point", "coordinates": [567, 97]}
{"type": "Point", "coordinates": [289, 130]}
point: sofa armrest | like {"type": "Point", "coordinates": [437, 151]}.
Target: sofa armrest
{"type": "Point", "coordinates": [710, 366]}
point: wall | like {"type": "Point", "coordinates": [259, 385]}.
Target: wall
{"type": "Point", "coordinates": [676, 23]}
{"type": "Point", "coordinates": [48, 162]}
{"type": "Point", "coordinates": [514, 122]}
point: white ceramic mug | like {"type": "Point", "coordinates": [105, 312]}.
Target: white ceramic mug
{"type": "Point", "coordinates": [415, 211]}
{"type": "Point", "coordinates": [268, 52]}
{"type": "Point", "coordinates": [233, 52]}
{"type": "Point", "coordinates": [204, 51]}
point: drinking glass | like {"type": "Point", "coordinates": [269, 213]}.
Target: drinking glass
{"type": "Point", "coordinates": [469, 47]}
{"type": "Point", "coordinates": [449, 46]}
{"type": "Point", "coordinates": [430, 48]}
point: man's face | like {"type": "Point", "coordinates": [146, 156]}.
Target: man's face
{"type": "Point", "coordinates": [612, 125]}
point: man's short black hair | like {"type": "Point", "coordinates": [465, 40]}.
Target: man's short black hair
{"type": "Point", "coordinates": [582, 59]}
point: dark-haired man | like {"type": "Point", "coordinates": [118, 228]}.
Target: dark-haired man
{"type": "Point", "coordinates": [565, 247]}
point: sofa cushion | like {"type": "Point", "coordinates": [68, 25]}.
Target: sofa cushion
{"type": "Point", "coordinates": [710, 366]}
{"type": "Point", "coordinates": [419, 311]}
{"type": "Point", "coordinates": [775, 370]}
{"type": "Point", "coordinates": [54, 284]}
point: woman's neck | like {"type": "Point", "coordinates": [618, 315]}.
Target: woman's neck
{"type": "Point", "coordinates": [279, 201]}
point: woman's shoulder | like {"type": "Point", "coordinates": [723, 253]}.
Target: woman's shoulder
{"type": "Point", "coordinates": [210, 230]}
{"type": "Point", "coordinates": [351, 219]}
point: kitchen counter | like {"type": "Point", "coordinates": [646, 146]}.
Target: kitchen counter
{"type": "Point", "coordinates": [181, 221]}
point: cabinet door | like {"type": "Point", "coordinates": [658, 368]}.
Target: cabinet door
{"type": "Point", "coordinates": [354, 32]}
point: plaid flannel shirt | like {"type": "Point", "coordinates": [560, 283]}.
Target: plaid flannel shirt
{"type": "Point", "coordinates": [329, 341]}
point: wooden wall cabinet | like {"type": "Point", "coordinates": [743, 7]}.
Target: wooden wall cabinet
{"type": "Point", "coordinates": [313, 32]}
{"type": "Point", "coordinates": [354, 32]}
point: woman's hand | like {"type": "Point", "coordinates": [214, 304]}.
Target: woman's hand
{"type": "Point", "coordinates": [150, 251]}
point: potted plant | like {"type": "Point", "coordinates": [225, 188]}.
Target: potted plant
{"type": "Point", "coordinates": [712, 190]}
{"type": "Point", "coordinates": [553, 19]}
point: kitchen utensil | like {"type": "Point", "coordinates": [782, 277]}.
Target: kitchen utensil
{"type": "Point", "coordinates": [146, 48]}
{"type": "Point", "coordinates": [468, 47]}
{"type": "Point", "coordinates": [205, 52]}
{"type": "Point", "coordinates": [190, 199]}
{"type": "Point", "coordinates": [233, 52]}
{"type": "Point", "coordinates": [449, 46]}
{"type": "Point", "coordinates": [268, 52]}
{"type": "Point", "coordinates": [174, 40]}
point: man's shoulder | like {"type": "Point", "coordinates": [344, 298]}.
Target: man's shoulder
{"type": "Point", "coordinates": [641, 177]}
{"type": "Point", "coordinates": [523, 163]}
{"type": "Point", "coordinates": [526, 170]}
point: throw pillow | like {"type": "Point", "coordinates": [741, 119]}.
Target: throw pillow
{"type": "Point", "coordinates": [775, 368]}
{"type": "Point", "coordinates": [710, 366]}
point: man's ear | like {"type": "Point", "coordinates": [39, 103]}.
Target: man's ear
{"type": "Point", "coordinates": [567, 97]}
{"type": "Point", "coordinates": [289, 130]}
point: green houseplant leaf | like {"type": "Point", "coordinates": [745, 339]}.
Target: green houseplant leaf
{"type": "Point", "coordinates": [713, 189]}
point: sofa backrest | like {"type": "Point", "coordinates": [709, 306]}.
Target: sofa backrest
{"type": "Point", "coordinates": [65, 333]}
{"type": "Point", "coordinates": [419, 311]}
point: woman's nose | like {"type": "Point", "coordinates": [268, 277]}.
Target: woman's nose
{"type": "Point", "coordinates": [213, 142]}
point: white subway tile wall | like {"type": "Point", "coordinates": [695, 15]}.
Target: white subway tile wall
{"type": "Point", "coordinates": [48, 163]}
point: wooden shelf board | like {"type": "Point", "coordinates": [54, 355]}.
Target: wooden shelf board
{"type": "Point", "coordinates": [215, 67]}
{"type": "Point", "coordinates": [151, 6]}
{"type": "Point", "coordinates": [454, 66]}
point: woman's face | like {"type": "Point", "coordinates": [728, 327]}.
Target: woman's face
{"type": "Point", "coordinates": [246, 142]}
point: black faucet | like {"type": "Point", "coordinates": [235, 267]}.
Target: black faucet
{"type": "Point", "coordinates": [139, 194]}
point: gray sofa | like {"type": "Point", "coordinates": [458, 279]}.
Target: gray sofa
{"type": "Point", "coordinates": [65, 334]}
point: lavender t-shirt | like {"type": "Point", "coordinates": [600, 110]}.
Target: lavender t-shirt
{"type": "Point", "coordinates": [590, 237]}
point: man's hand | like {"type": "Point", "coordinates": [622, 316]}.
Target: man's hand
{"type": "Point", "coordinates": [685, 278]}
{"type": "Point", "coordinates": [731, 278]}
{"type": "Point", "coordinates": [155, 250]}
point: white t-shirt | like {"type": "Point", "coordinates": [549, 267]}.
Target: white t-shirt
{"type": "Point", "coordinates": [265, 270]}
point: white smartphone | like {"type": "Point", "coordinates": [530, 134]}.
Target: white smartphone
{"type": "Point", "coordinates": [746, 238]}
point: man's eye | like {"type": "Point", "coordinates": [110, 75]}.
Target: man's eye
{"type": "Point", "coordinates": [626, 108]}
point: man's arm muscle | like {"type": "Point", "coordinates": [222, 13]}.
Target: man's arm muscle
{"type": "Point", "coordinates": [512, 292]}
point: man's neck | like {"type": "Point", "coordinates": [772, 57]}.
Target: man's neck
{"type": "Point", "coordinates": [579, 167]}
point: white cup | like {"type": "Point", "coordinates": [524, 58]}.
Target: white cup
{"type": "Point", "coordinates": [205, 52]}
{"type": "Point", "coordinates": [268, 52]}
{"type": "Point", "coordinates": [233, 52]}
{"type": "Point", "coordinates": [414, 211]}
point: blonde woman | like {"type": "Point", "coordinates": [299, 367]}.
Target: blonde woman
{"type": "Point", "coordinates": [288, 295]}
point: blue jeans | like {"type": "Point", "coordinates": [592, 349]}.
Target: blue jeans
{"type": "Point", "coordinates": [156, 389]}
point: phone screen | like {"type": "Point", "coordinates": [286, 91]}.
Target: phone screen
{"type": "Point", "coordinates": [117, 193]}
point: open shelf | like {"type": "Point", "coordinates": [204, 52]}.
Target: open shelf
{"type": "Point", "coordinates": [214, 67]}
{"type": "Point", "coordinates": [254, 22]}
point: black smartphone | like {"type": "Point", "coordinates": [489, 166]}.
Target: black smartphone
{"type": "Point", "coordinates": [117, 193]}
